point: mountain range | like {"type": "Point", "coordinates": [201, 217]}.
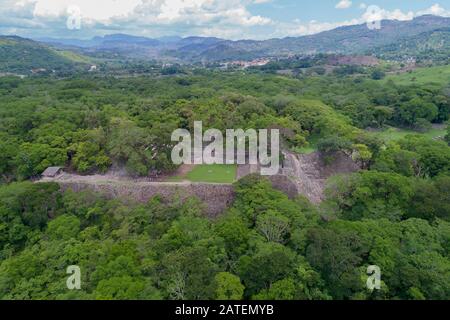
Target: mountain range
{"type": "Point", "coordinates": [345, 40]}
{"type": "Point", "coordinates": [419, 35]}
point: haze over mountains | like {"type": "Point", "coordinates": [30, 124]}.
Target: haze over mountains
{"type": "Point", "coordinates": [424, 32]}
{"type": "Point", "coordinates": [349, 39]}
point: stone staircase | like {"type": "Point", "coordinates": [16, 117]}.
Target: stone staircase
{"type": "Point", "coordinates": [305, 172]}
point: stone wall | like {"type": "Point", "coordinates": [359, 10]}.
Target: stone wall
{"type": "Point", "coordinates": [216, 197]}
{"type": "Point", "coordinates": [284, 184]}
{"type": "Point", "coordinates": [301, 174]}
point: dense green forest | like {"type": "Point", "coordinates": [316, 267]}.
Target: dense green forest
{"type": "Point", "coordinates": [264, 247]}
{"type": "Point", "coordinates": [395, 213]}
{"type": "Point", "coordinates": [429, 46]}
{"type": "Point", "coordinates": [90, 123]}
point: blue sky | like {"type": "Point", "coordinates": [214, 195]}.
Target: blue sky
{"type": "Point", "coordinates": [324, 10]}
{"type": "Point", "coordinates": [232, 19]}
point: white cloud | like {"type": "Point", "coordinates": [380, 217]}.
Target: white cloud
{"type": "Point", "coordinates": [230, 19]}
{"type": "Point", "coordinates": [261, 1]}
{"type": "Point", "coordinates": [344, 4]}
{"type": "Point", "coordinates": [152, 11]}
{"type": "Point", "coordinates": [99, 10]}
{"type": "Point", "coordinates": [436, 10]}
{"type": "Point", "coordinates": [382, 14]}
{"type": "Point", "coordinates": [199, 12]}
{"type": "Point", "coordinates": [146, 17]}
{"type": "Point", "coordinates": [298, 28]}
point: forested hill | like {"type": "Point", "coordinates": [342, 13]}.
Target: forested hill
{"type": "Point", "coordinates": [433, 45]}
{"type": "Point", "coordinates": [24, 56]}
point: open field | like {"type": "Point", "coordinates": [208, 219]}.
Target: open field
{"type": "Point", "coordinates": [438, 75]}
{"type": "Point", "coordinates": [216, 173]}
{"type": "Point", "coordinates": [394, 134]}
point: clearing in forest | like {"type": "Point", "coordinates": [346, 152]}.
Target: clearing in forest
{"type": "Point", "coordinates": [437, 75]}
{"type": "Point", "coordinates": [215, 173]}
{"type": "Point", "coordinates": [395, 134]}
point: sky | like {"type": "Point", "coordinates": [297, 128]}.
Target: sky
{"type": "Point", "coordinates": [229, 19]}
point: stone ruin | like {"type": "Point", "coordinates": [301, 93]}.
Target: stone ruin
{"type": "Point", "coordinates": [304, 174]}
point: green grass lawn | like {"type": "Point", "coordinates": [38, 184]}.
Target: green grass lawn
{"type": "Point", "coordinates": [215, 173]}
{"type": "Point", "coordinates": [73, 56]}
{"type": "Point", "coordinates": [439, 75]}
{"type": "Point", "coordinates": [394, 134]}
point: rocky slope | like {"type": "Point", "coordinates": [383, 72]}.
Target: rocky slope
{"type": "Point", "coordinates": [309, 172]}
